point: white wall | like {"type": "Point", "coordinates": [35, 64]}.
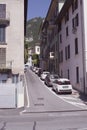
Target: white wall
{"type": "Point", "coordinates": [7, 96]}
{"type": "Point", "coordinates": [15, 34]}
{"type": "Point", "coordinates": [11, 95]}
{"type": "Point", "coordinates": [75, 60]}
{"type": "Point", "coordinates": [20, 95]}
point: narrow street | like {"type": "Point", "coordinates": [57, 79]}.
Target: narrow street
{"type": "Point", "coordinates": [43, 99]}
{"type": "Point", "coordinates": [46, 110]}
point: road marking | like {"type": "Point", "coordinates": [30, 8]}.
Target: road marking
{"type": "Point", "coordinates": [66, 99]}
{"type": "Point", "coordinates": [27, 93]}
{"type": "Point", "coordinates": [77, 104]}
{"type": "Point", "coordinates": [70, 98]}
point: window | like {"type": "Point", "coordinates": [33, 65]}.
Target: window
{"type": "Point", "coordinates": [68, 74]}
{"type": "Point", "coordinates": [61, 73]}
{"type": "Point", "coordinates": [76, 46]}
{"type": "Point", "coordinates": [61, 56]}
{"type": "Point", "coordinates": [75, 21]}
{"type": "Point", "coordinates": [38, 49]}
{"type": "Point", "coordinates": [67, 52]}
{"type": "Point", "coordinates": [56, 46]}
{"type": "Point", "coordinates": [67, 33]}
{"type": "Point", "coordinates": [2, 57]}
{"type": "Point", "coordinates": [74, 5]}
{"type": "Point", "coordinates": [59, 27]}
{"type": "Point", "coordinates": [2, 10]}
{"type": "Point", "coordinates": [60, 38]}
{"type": "Point", "coordinates": [77, 74]}
{"type": "Point", "coordinates": [67, 16]}
{"type": "Point", "coordinates": [2, 34]}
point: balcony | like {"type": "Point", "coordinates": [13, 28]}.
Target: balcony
{"type": "Point", "coordinates": [52, 24]}
{"type": "Point", "coordinates": [5, 66]}
{"type": "Point", "coordinates": [5, 20]}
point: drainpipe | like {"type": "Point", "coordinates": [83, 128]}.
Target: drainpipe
{"type": "Point", "coordinates": [83, 45]}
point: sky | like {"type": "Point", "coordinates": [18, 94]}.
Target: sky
{"type": "Point", "coordinates": [37, 8]}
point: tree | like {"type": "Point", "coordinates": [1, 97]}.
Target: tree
{"type": "Point", "coordinates": [35, 59]}
{"type": "Point", "coordinates": [25, 52]}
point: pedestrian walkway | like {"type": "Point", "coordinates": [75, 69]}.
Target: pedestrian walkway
{"type": "Point", "coordinates": [80, 95]}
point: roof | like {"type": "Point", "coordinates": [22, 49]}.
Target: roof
{"type": "Point", "coordinates": [52, 4]}
{"type": "Point", "coordinates": [65, 7]}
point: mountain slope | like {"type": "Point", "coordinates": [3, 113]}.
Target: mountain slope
{"type": "Point", "coordinates": [32, 29]}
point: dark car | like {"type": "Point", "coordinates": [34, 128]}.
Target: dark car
{"type": "Point", "coordinates": [39, 72]}
{"type": "Point", "coordinates": [50, 78]}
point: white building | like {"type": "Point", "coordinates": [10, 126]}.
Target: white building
{"type": "Point", "coordinates": [12, 19]}
{"type": "Point", "coordinates": [72, 31]}
{"type": "Point", "coordinates": [12, 30]}
{"type": "Point", "coordinates": [66, 37]}
{"type": "Point", "coordinates": [37, 49]}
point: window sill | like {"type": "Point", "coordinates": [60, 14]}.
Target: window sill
{"type": "Point", "coordinates": [3, 43]}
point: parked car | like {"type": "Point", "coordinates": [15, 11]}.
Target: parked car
{"type": "Point", "coordinates": [50, 78]}
{"type": "Point", "coordinates": [25, 67]}
{"type": "Point", "coordinates": [39, 72]}
{"type": "Point", "coordinates": [62, 85]}
{"type": "Point", "coordinates": [44, 74]}
{"type": "Point", "coordinates": [34, 69]}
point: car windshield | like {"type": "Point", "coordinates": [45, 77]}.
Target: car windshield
{"type": "Point", "coordinates": [45, 72]}
{"type": "Point", "coordinates": [61, 82]}
{"type": "Point", "coordinates": [54, 76]}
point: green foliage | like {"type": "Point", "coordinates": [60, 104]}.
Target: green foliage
{"type": "Point", "coordinates": [32, 29]}
{"type": "Point", "coordinates": [25, 52]}
{"type": "Point", "coordinates": [35, 59]}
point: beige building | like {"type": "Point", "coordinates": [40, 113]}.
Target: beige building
{"type": "Point", "coordinates": [12, 30]}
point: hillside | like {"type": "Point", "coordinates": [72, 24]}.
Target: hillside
{"type": "Point", "coordinates": [32, 30]}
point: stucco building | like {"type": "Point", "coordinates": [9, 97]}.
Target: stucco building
{"type": "Point", "coordinates": [70, 42]}
{"type": "Point", "coordinates": [13, 14]}
{"type": "Point", "coordinates": [12, 29]}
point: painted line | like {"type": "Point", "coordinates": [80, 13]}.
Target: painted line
{"type": "Point", "coordinates": [69, 98]}
{"type": "Point", "coordinates": [73, 103]}
{"type": "Point", "coordinates": [27, 93]}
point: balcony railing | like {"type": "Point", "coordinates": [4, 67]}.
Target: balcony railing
{"type": "Point", "coordinates": [7, 65]}
{"type": "Point", "coordinates": [5, 20]}
{"type": "Point", "coordinates": [51, 24]}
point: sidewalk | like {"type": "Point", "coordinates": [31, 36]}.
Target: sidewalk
{"type": "Point", "coordinates": [80, 95]}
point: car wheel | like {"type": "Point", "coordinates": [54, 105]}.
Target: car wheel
{"type": "Point", "coordinates": [45, 83]}
{"type": "Point", "coordinates": [57, 91]}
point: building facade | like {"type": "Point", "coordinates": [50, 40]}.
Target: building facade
{"type": "Point", "coordinates": [71, 43]}
{"type": "Point", "coordinates": [12, 23]}
{"type": "Point", "coordinates": [49, 37]}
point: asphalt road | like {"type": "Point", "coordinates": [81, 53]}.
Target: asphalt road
{"type": "Point", "coordinates": [43, 99]}
{"type": "Point", "coordinates": [45, 110]}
